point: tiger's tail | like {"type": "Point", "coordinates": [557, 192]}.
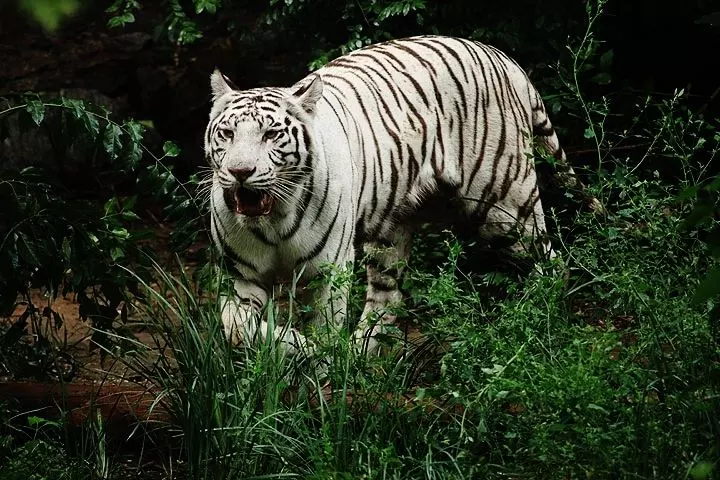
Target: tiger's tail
{"type": "Point", "coordinates": [562, 172]}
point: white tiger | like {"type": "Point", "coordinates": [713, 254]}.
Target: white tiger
{"type": "Point", "coordinates": [349, 156]}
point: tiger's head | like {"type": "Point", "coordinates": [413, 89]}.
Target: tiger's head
{"type": "Point", "coordinates": [259, 145]}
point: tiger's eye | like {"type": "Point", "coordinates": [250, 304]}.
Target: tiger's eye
{"type": "Point", "coordinates": [226, 134]}
{"type": "Point", "coordinates": [270, 134]}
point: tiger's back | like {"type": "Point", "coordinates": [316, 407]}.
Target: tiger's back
{"type": "Point", "coordinates": [429, 113]}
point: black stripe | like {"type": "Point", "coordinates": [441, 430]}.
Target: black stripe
{"type": "Point", "coordinates": [386, 218]}
{"type": "Point", "coordinates": [497, 89]}
{"type": "Point", "coordinates": [454, 52]}
{"type": "Point", "coordinates": [252, 301]}
{"type": "Point", "coordinates": [451, 71]}
{"type": "Point", "coordinates": [233, 256]}
{"type": "Point", "coordinates": [262, 237]}
{"type": "Point", "coordinates": [415, 54]}
{"type": "Point", "coordinates": [323, 240]}
{"type": "Point", "coordinates": [301, 208]}
{"type": "Point", "coordinates": [224, 246]}
{"type": "Point", "coordinates": [340, 121]}
{"type": "Point", "coordinates": [486, 130]}
{"type": "Point", "coordinates": [382, 50]}
{"type": "Point", "coordinates": [323, 201]}
{"type": "Point", "coordinates": [341, 244]}
{"type": "Point", "coordinates": [384, 75]}
{"type": "Point", "coordinates": [359, 136]}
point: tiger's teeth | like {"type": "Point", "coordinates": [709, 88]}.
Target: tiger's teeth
{"type": "Point", "coordinates": [238, 202]}
{"type": "Point", "coordinates": [266, 204]}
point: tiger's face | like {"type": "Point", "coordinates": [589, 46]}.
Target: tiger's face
{"type": "Point", "coordinates": [259, 145]}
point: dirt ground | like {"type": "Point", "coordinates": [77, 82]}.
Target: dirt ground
{"type": "Point", "coordinates": [73, 338]}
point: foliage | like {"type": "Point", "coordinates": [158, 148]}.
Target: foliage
{"type": "Point", "coordinates": [253, 412]}
{"type": "Point", "coordinates": [592, 378]}
{"type": "Point", "coordinates": [597, 364]}
{"type": "Point", "coordinates": [360, 23]}
{"type": "Point", "coordinates": [40, 460]}
{"type": "Point", "coordinates": [705, 218]}
{"type": "Point", "coordinates": [43, 449]}
{"type": "Point", "coordinates": [49, 13]}
{"type": "Point", "coordinates": [60, 242]}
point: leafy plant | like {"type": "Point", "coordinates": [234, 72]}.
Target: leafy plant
{"type": "Point", "coordinates": [38, 452]}
{"type": "Point", "coordinates": [253, 411]}
{"type": "Point", "coordinates": [53, 239]}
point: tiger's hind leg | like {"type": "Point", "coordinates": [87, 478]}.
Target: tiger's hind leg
{"type": "Point", "coordinates": [385, 264]}
{"type": "Point", "coordinates": [518, 228]}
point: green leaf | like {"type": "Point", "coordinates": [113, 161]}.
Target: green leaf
{"type": "Point", "coordinates": [128, 215]}
{"type": "Point", "coordinates": [115, 7]}
{"type": "Point", "coordinates": [602, 78]}
{"type": "Point", "coordinates": [176, 208]}
{"type": "Point", "coordinates": [121, 233]}
{"type": "Point", "coordinates": [593, 406]}
{"type": "Point", "coordinates": [116, 254]}
{"type": "Point", "coordinates": [66, 249]}
{"type": "Point", "coordinates": [709, 287]}
{"type": "Point", "coordinates": [209, 6]}
{"type": "Point", "coordinates": [27, 248]}
{"type": "Point", "coordinates": [49, 13]}
{"type": "Point", "coordinates": [35, 421]}
{"type": "Point", "coordinates": [80, 112]}
{"type": "Point", "coordinates": [496, 369]}
{"type": "Point", "coordinates": [111, 206]}
{"type": "Point", "coordinates": [36, 109]}
{"type": "Point", "coordinates": [702, 470]}
{"type": "Point", "coordinates": [121, 20]}
{"type": "Point", "coordinates": [606, 59]}
{"type": "Point", "coordinates": [77, 107]}
{"type": "Point", "coordinates": [135, 131]}
{"type": "Point", "coordinates": [168, 182]}
{"type": "Point", "coordinates": [112, 141]}
{"type": "Point", "coordinates": [170, 149]}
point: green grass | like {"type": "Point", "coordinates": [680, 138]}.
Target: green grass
{"type": "Point", "coordinates": [599, 367]}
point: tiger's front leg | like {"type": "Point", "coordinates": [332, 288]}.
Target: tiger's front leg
{"type": "Point", "coordinates": [384, 269]}
{"type": "Point", "coordinates": [241, 316]}
{"type": "Point", "coordinates": [331, 299]}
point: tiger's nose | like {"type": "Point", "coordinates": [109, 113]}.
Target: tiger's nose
{"type": "Point", "coordinates": [241, 173]}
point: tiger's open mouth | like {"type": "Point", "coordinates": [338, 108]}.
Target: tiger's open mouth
{"type": "Point", "coordinates": [252, 203]}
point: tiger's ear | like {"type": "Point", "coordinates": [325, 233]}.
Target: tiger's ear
{"type": "Point", "coordinates": [220, 84]}
{"type": "Point", "coordinates": [307, 95]}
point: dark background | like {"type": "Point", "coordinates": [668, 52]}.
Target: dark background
{"type": "Point", "coordinates": [136, 71]}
